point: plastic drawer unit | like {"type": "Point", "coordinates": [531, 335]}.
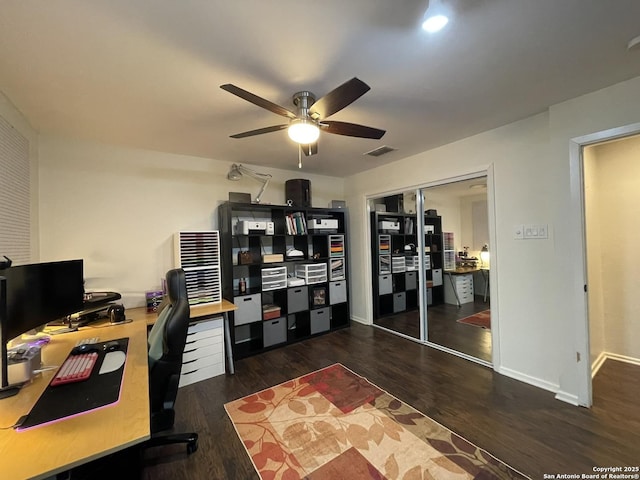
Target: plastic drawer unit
{"type": "Point", "coordinates": [312, 272]}
{"type": "Point", "coordinates": [274, 278]}
{"type": "Point", "coordinates": [398, 264]}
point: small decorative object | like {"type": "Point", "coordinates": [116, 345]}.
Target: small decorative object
{"type": "Point", "coordinates": [316, 256]}
{"type": "Point", "coordinates": [244, 257]}
{"type": "Point", "coordinates": [154, 299]}
{"type": "Point", "coordinates": [242, 285]}
{"type": "Point", "coordinates": [319, 296]}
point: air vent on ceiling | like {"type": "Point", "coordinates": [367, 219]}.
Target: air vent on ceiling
{"type": "Point", "coordinates": [376, 152]}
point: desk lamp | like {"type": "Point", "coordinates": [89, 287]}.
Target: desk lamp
{"type": "Point", "coordinates": [484, 256]}
{"type": "Point", "coordinates": [238, 170]}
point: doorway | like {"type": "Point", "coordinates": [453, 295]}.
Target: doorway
{"type": "Point", "coordinates": [610, 203]}
{"type": "Point", "coordinates": [446, 303]}
{"type": "Point", "coordinates": [608, 233]}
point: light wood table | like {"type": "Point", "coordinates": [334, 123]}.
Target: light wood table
{"type": "Point", "coordinates": [200, 312]}
{"type": "Point", "coordinates": [48, 449]}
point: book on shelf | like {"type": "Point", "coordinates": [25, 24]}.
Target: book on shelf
{"type": "Point", "coordinates": [296, 224]}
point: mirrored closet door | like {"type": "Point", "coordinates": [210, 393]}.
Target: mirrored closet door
{"type": "Point", "coordinates": [431, 270]}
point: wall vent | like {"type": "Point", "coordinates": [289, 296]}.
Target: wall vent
{"type": "Point", "coordinates": [376, 152]}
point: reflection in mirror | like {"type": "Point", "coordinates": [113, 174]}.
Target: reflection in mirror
{"type": "Point", "coordinates": [456, 258]}
{"type": "Point", "coordinates": [461, 321]}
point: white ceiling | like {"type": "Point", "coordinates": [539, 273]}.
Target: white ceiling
{"type": "Point", "coordinates": [146, 73]}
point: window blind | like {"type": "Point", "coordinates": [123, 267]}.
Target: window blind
{"type": "Point", "coordinates": [15, 215]}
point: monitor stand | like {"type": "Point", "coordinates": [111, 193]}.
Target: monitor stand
{"type": "Point", "coordinates": [5, 390]}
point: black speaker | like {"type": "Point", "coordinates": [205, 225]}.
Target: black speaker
{"type": "Point", "coordinates": [298, 192]}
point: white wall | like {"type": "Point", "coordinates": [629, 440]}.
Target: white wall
{"type": "Point", "coordinates": [541, 301]}
{"type": "Point", "coordinates": [618, 232]}
{"type": "Point", "coordinates": [118, 208]}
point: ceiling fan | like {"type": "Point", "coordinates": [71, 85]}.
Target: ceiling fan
{"type": "Point", "coordinates": [310, 117]}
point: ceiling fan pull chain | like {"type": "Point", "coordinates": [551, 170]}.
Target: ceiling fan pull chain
{"type": "Point", "coordinates": [299, 156]}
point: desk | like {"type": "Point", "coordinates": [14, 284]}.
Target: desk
{"type": "Point", "coordinates": [199, 312]}
{"type": "Point", "coordinates": [467, 271]}
{"type": "Point", "coordinates": [50, 449]}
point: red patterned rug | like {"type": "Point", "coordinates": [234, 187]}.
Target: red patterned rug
{"type": "Point", "coordinates": [334, 424]}
{"type": "Point", "coordinates": [480, 319]}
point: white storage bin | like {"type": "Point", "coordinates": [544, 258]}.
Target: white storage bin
{"type": "Point", "coordinates": [274, 278]}
{"type": "Point", "coordinates": [398, 264]}
{"type": "Point", "coordinates": [312, 272]}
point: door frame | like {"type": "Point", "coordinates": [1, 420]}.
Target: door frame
{"type": "Point", "coordinates": [576, 181]}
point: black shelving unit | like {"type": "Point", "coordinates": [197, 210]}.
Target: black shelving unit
{"type": "Point", "coordinates": [395, 262]}
{"type": "Point", "coordinates": [309, 288]}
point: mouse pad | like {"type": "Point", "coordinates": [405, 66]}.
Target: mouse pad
{"type": "Point", "coordinates": [77, 398]}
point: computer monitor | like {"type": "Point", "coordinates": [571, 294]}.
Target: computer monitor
{"type": "Point", "coordinates": [40, 293]}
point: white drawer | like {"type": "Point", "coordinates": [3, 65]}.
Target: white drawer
{"type": "Point", "coordinates": [199, 348]}
{"type": "Point", "coordinates": [205, 325]}
{"type": "Point", "coordinates": [274, 285]}
{"type": "Point", "coordinates": [214, 332]}
{"type": "Point", "coordinates": [201, 362]}
{"type": "Point", "coordinates": [201, 374]}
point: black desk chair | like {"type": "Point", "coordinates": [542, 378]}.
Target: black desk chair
{"type": "Point", "coordinates": [166, 343]}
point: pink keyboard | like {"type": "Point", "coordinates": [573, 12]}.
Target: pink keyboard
{"type": "Point", "coordinates": [75, 369]}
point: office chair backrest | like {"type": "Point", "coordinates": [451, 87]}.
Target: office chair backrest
{"type": "Point", "coordinates": [166, 343]}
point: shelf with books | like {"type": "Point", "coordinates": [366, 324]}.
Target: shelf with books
{"type": "Point", "coordinates": [286, 268]}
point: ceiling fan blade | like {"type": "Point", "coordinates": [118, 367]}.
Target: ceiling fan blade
{"type": "Point", "coordinates": [259, 101]}
{"type": "Point", "coordinates": [260, 131]}
{"type": "Point", "coordinates": [310, 149]}
{"type": "Point", "coordinates": [338, 98]}
{"type": "Point", "coordinates": [351, 129]}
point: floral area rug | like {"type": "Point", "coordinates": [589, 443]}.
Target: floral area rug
{"type": "Point", "coordinates": [333, 424]}
{"type": "Point", "coordinates": [480, 319]}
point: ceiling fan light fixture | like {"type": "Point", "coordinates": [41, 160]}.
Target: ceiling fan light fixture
{"type": "Point", "coordinates": [303, 131]}
{"type": "Point", "coordinates": [435, 18]}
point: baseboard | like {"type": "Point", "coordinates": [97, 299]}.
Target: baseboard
{"type": "Point", "coordinates": [536, 382]}
{"type": "Point", "coordinates": [568, 398]}
{"type": "Point", "coordinates": [360, 320]}
{"type": "Point", "coordinates": [622, 358]}
{"type": "Point", "coordinates": [597, 363]}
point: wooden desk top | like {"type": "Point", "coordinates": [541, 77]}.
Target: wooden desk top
{"type": "Point", "coordinates": [197, 311]}
{"type": "Point", "coordinates": [465, 270]}
{"type": "Point", "coordinates": [48, 449]}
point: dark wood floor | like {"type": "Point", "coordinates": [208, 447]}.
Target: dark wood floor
{"type": "Point", "coordinates": [443, 328]}
{"type": "Point", "coordinates": [520, 424]}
